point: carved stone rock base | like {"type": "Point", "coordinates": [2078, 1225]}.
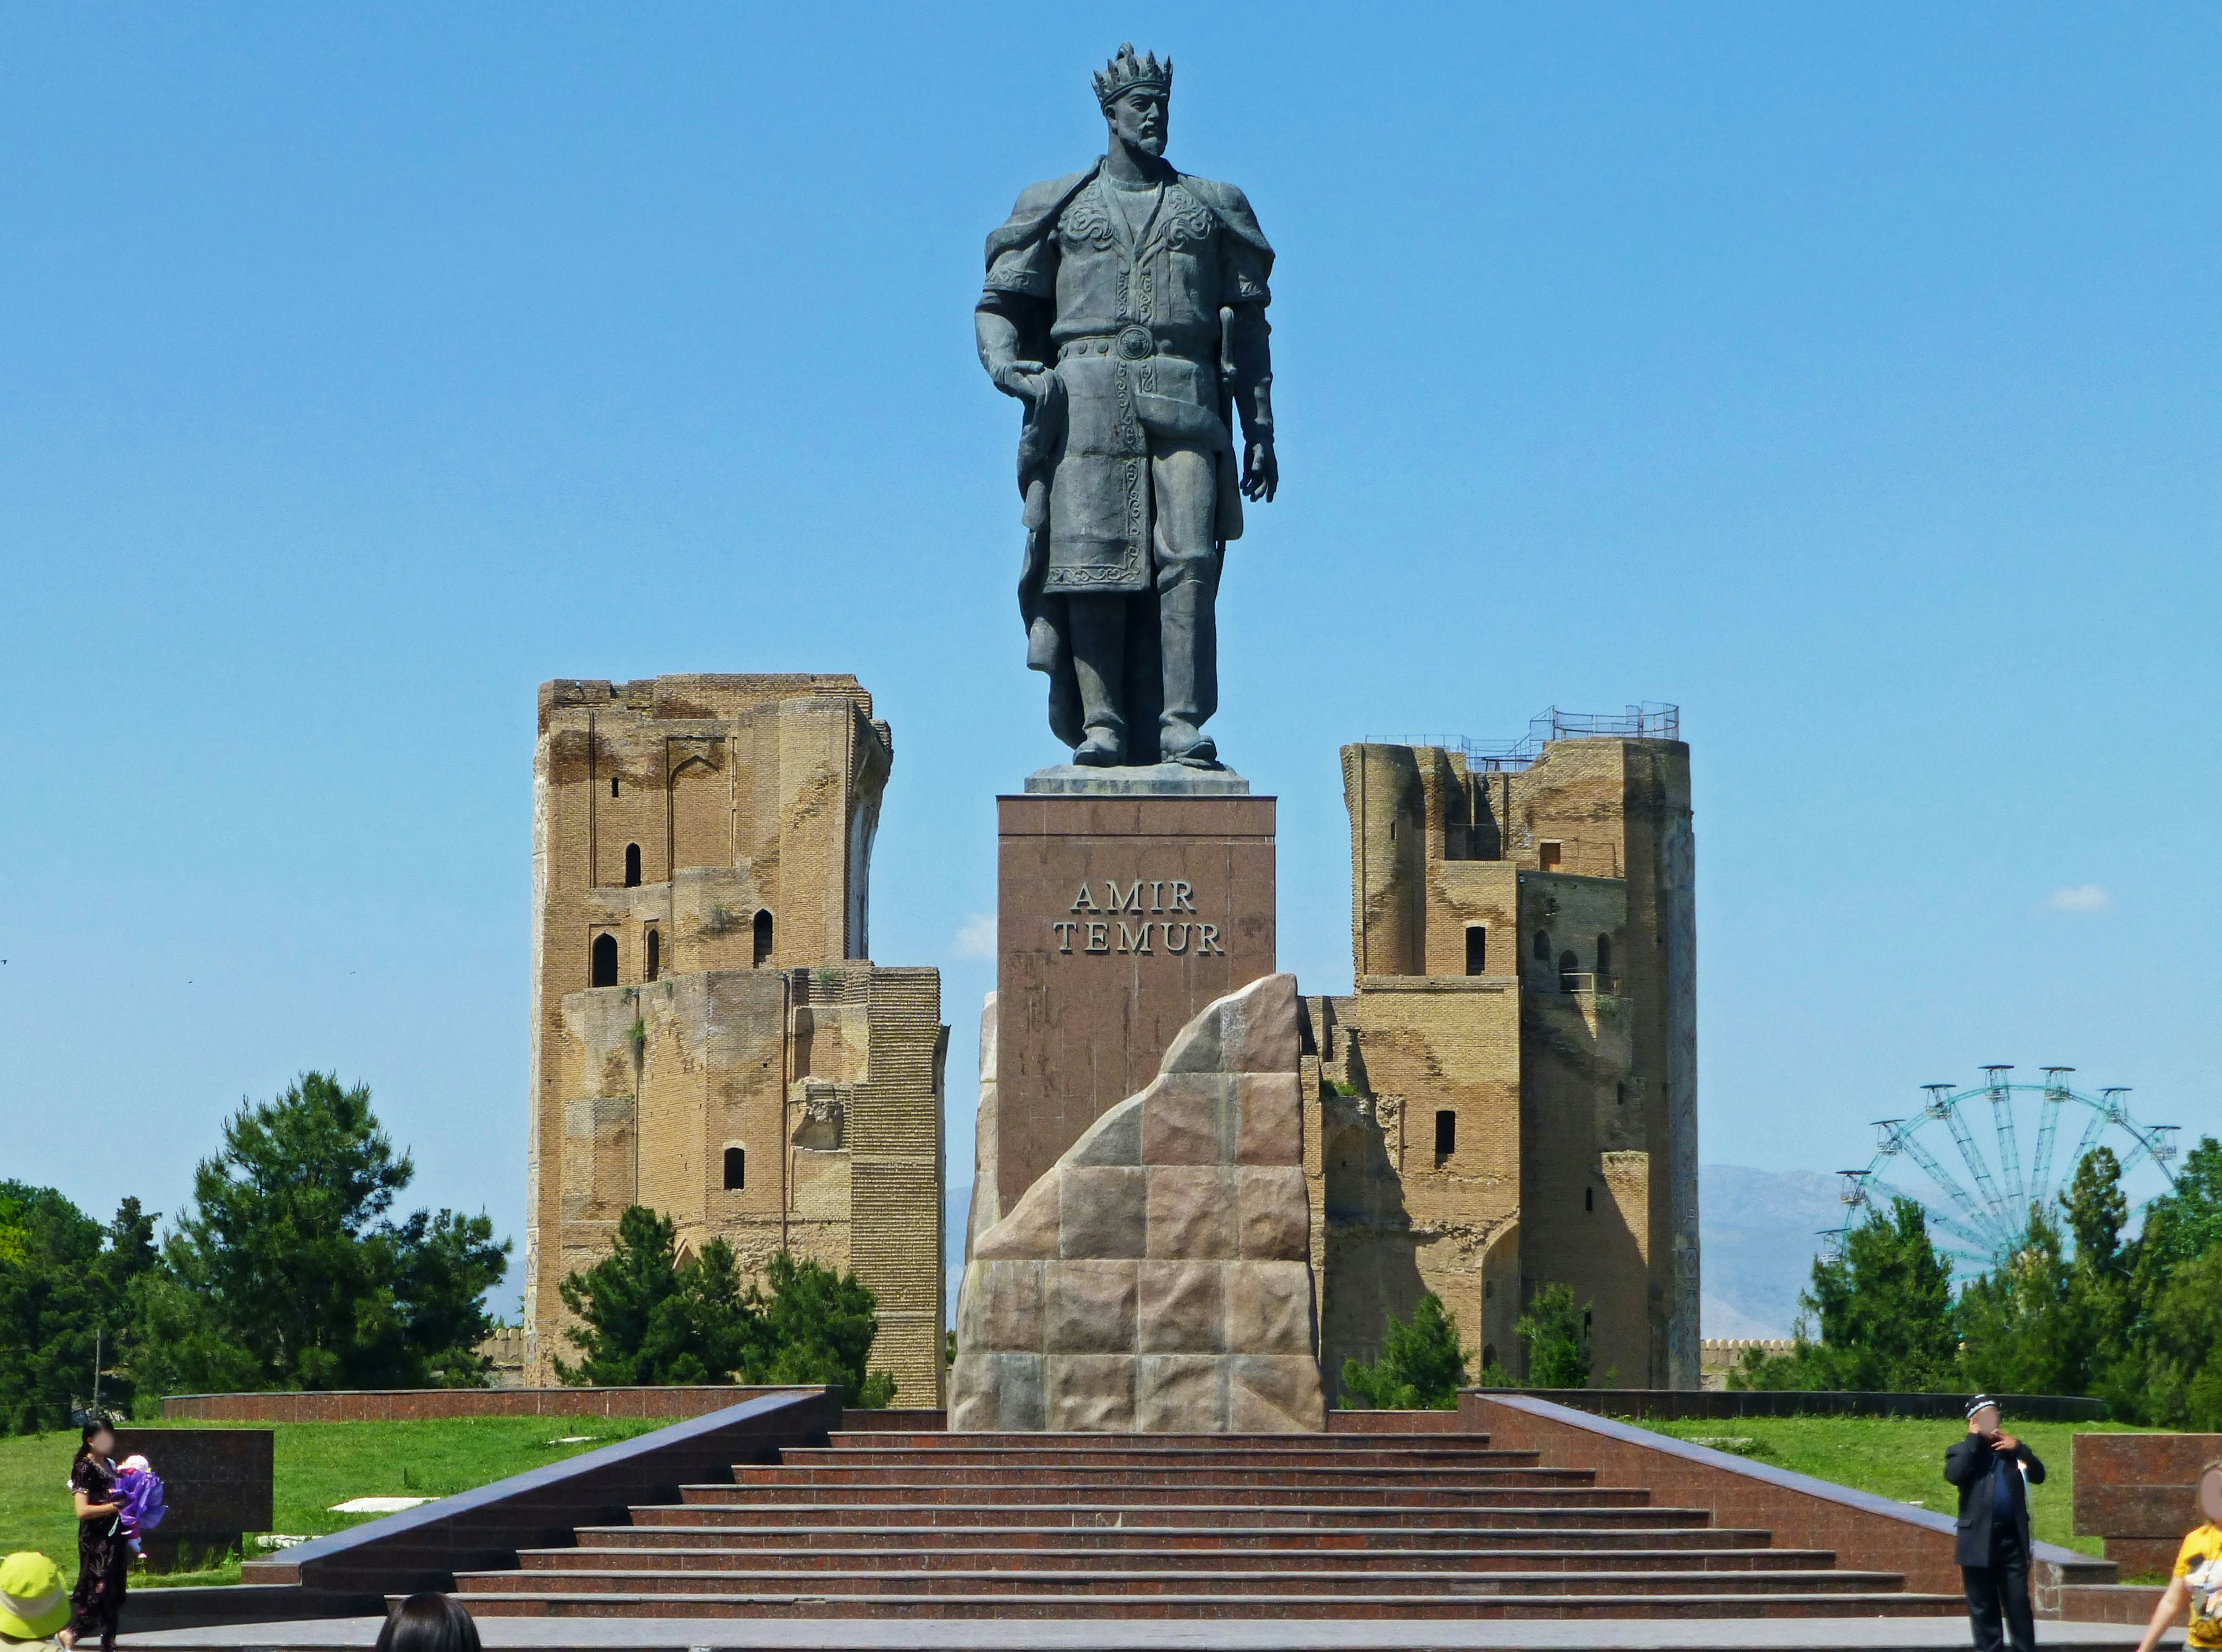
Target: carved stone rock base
{"type": "Point", "coordinates": [1158, 1278]}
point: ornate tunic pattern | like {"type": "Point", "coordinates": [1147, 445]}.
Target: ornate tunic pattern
{"type": "Point", "coordinates": [1122, 289]}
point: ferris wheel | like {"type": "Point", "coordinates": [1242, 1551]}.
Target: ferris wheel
{"type": "Point", "coordinates": [1978, 1202]}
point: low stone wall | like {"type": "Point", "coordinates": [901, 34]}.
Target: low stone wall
{"type": "Point", "coordinates": [1705, 1405]}
{"type": "Point", "coordinates": [1869, 1532]}
{"type": "Point", "coordinates": [2140, 1493]}
{"type": "Point", "coordinates": [1719, 1355]}
{"type": "Point", "coordinates": [414, 1405]}
{"type": "Point", "coordinates": [217, 1485]}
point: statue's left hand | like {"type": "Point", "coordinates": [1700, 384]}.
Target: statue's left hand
{"type": "Point", "coordinates": [1261, 471]}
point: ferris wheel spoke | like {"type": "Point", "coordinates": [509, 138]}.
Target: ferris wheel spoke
{"type": "Point", "coordinates": [1943, 1179]}
{"type": "Point", "coordinates": [2056, 1096]}
{"type": "Point", "coordinates": [1964, 1139]}
{"type": "Point", "coordinates": [1984, 1247]}
{"type": "Point", "coordinates": [2002, 1125]}
{"type": "Point", "coordinates": [2091, 1129]}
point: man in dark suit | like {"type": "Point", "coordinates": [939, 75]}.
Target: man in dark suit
{"type": "Point", "coordinates": [1993, 1472]}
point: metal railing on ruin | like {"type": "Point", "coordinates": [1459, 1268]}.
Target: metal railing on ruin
{"type": "Point", "coordinates": [1650, 719]}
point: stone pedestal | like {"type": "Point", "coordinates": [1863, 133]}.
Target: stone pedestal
{"type": "Point", "coordinates": [1121, 915]}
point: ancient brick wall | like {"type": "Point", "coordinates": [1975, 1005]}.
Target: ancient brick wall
{"type": "Point", "coordinates": [1393, 1215]}
{"type": "Point", "coordinates": [709, 1039]}
{"type": "Point", "coordinates": [1559, 895]}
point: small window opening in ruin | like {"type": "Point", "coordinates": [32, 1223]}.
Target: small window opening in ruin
{"type": "Point", "coordinates": [1569, 966]}
{"type": "Point", "coordinates": [1488, 1289]}
{"type": "Point", "coordinates": [1477, 949]}
{"type": "Point", "coordinates": [606, 960]}
{"type": "Point", "coordinates": [1586, 1323]}
{"type": "Point", "coordinates": [1589, 1198]}
{"type": "Point", "coordinates": [1547, 857]}
{"type": "Point", "coordinates": [613, 785]}
{"type": "Point", "coordinates": [1543, 946]}
{"type": "Point", "coordinates": [1620, 1093]}
{"type": "Point", "coordinates": [763, 939]}
{"type": "Point", "coordinates": [632, 866]}
{"type": "Point", "coordinates": [1446, 1133]}
{"type": "Point", "coordinates": [737, 1169]}
{"type": "Point", "coordinates": [1605, 959]}
{"type": "Point", "coordinates": [1488, 1354]}
{"type": "Point", "coordinates": [655, 955]}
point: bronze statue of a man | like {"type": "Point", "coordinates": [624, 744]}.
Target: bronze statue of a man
{"type": "Point", "coordinates": [1125, 308]}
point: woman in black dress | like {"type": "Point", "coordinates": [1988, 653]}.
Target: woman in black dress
{"type": "Point", "coordinates": [103, 1556]}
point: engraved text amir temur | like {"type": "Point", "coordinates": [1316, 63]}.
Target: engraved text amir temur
{"type": "Point", "coordinates": [1113, 932]}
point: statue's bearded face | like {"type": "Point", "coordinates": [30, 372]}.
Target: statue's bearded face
{"type": "Point", "coordinates": [1138, 116]}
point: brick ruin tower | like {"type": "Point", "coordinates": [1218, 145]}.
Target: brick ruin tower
{"type": "Point", "coordinates": [1509, 1098]}
{"type": "Point", "coordinates": [710, 1037]}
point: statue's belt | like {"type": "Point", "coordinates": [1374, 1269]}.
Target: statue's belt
{"type": "Point", "coordinates": [1178, 421]}
{"type": "Point", "coordinates": [1132, 343]}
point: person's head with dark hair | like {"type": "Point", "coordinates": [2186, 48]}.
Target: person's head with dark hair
{"type": "Point", "coordinates": [429, 1623]}
{"type": "Point", "coordinates": [97, 1437]}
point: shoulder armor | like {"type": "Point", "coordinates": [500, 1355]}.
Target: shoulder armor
{"type": "Point", "coordinates": [1232, 208]}
{"type": "Point", "coordinates": [1036, 212]}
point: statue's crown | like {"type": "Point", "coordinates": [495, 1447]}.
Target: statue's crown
{"type": "Point", "coordinates": [1125, 71]}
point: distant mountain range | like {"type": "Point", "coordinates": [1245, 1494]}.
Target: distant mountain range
{"type": "Point", "coordinates": [1758, 1231]}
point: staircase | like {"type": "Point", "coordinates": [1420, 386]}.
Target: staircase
{"type": "Point", "coordinates": [1435, 1526]}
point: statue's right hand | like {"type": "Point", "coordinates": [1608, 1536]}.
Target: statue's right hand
{"type": "Point", "coordinates": [1021, 379]}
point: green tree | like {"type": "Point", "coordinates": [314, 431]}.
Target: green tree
{"type": "Point", "coordinates": [2171, 1373]}
{"type": "Point", "coordinates": [2102, 1308]}
{"type": "Point", "coordinates": [2182, 1348]}
{"type": "Point", "coordinates": [64, 1281]}
{"type": "Point", "coordinates": [289, 1265]}
{"type": "Point", "coordinates": [649, 1318]}
{"type": "Point", "coordinates": [2096, 1209]}
{"type": "Point", "coordinates": [1421, 1366]}
{"type": "Point", "coordinates": [1884, 1310]}
{"type": "Point", "coordinates": [2182, 1224]}
{"type": "Point", "coordinates": [817, 1325]}
{"type": "Point", "coordinates": [2015, 1322]}
{"type": "Point", "coordinates": [1555, 1330]}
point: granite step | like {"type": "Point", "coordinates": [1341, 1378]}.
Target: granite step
{"type": "Point", "coordinates": [873, 1440]}
{"type": "Point", "coordinates": [1064, 1515]}
{"type": "Point", "coordinates": [1063, 1558]}
{"type": "Point", "coordinates": [1124, 1475]}
{"type": "Point", "coordinates": [1229, 1540]}
{"type": "Point", "coordinates": [1363, 1494]}
{"type": "Point", "coordinates": [1619, 1605]}
{"type": "Point", "coordinates": [1093, 1582]}
{"type": "Point", "coordinates": [1151, 1457]}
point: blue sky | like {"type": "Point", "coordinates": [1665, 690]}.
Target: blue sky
{"type": "Point", "coordinates": [1847, 374]}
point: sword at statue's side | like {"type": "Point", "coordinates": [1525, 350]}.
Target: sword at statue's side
{"type": "Point", "coordinates": [1227, 405]}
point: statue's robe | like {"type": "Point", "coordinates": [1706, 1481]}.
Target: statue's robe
{"type": "Point", "coordinates": [1130, 326]}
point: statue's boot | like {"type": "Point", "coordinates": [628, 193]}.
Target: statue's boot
{"type": "Point", "coordinates": [1192, 659]}
{"type": "Point", "coordinates": [1099, 653]}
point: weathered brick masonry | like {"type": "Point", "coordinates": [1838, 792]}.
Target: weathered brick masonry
{"type": "Point", "coordinates": [710, 1037]}
{"type": "Point", "coordinates": [1508, 1099]}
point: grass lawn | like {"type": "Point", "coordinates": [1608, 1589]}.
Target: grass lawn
{"type": "Point", "coordinates": [316, 1465]}
{"type": "Point", "coordinates": [1899, 1458]}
